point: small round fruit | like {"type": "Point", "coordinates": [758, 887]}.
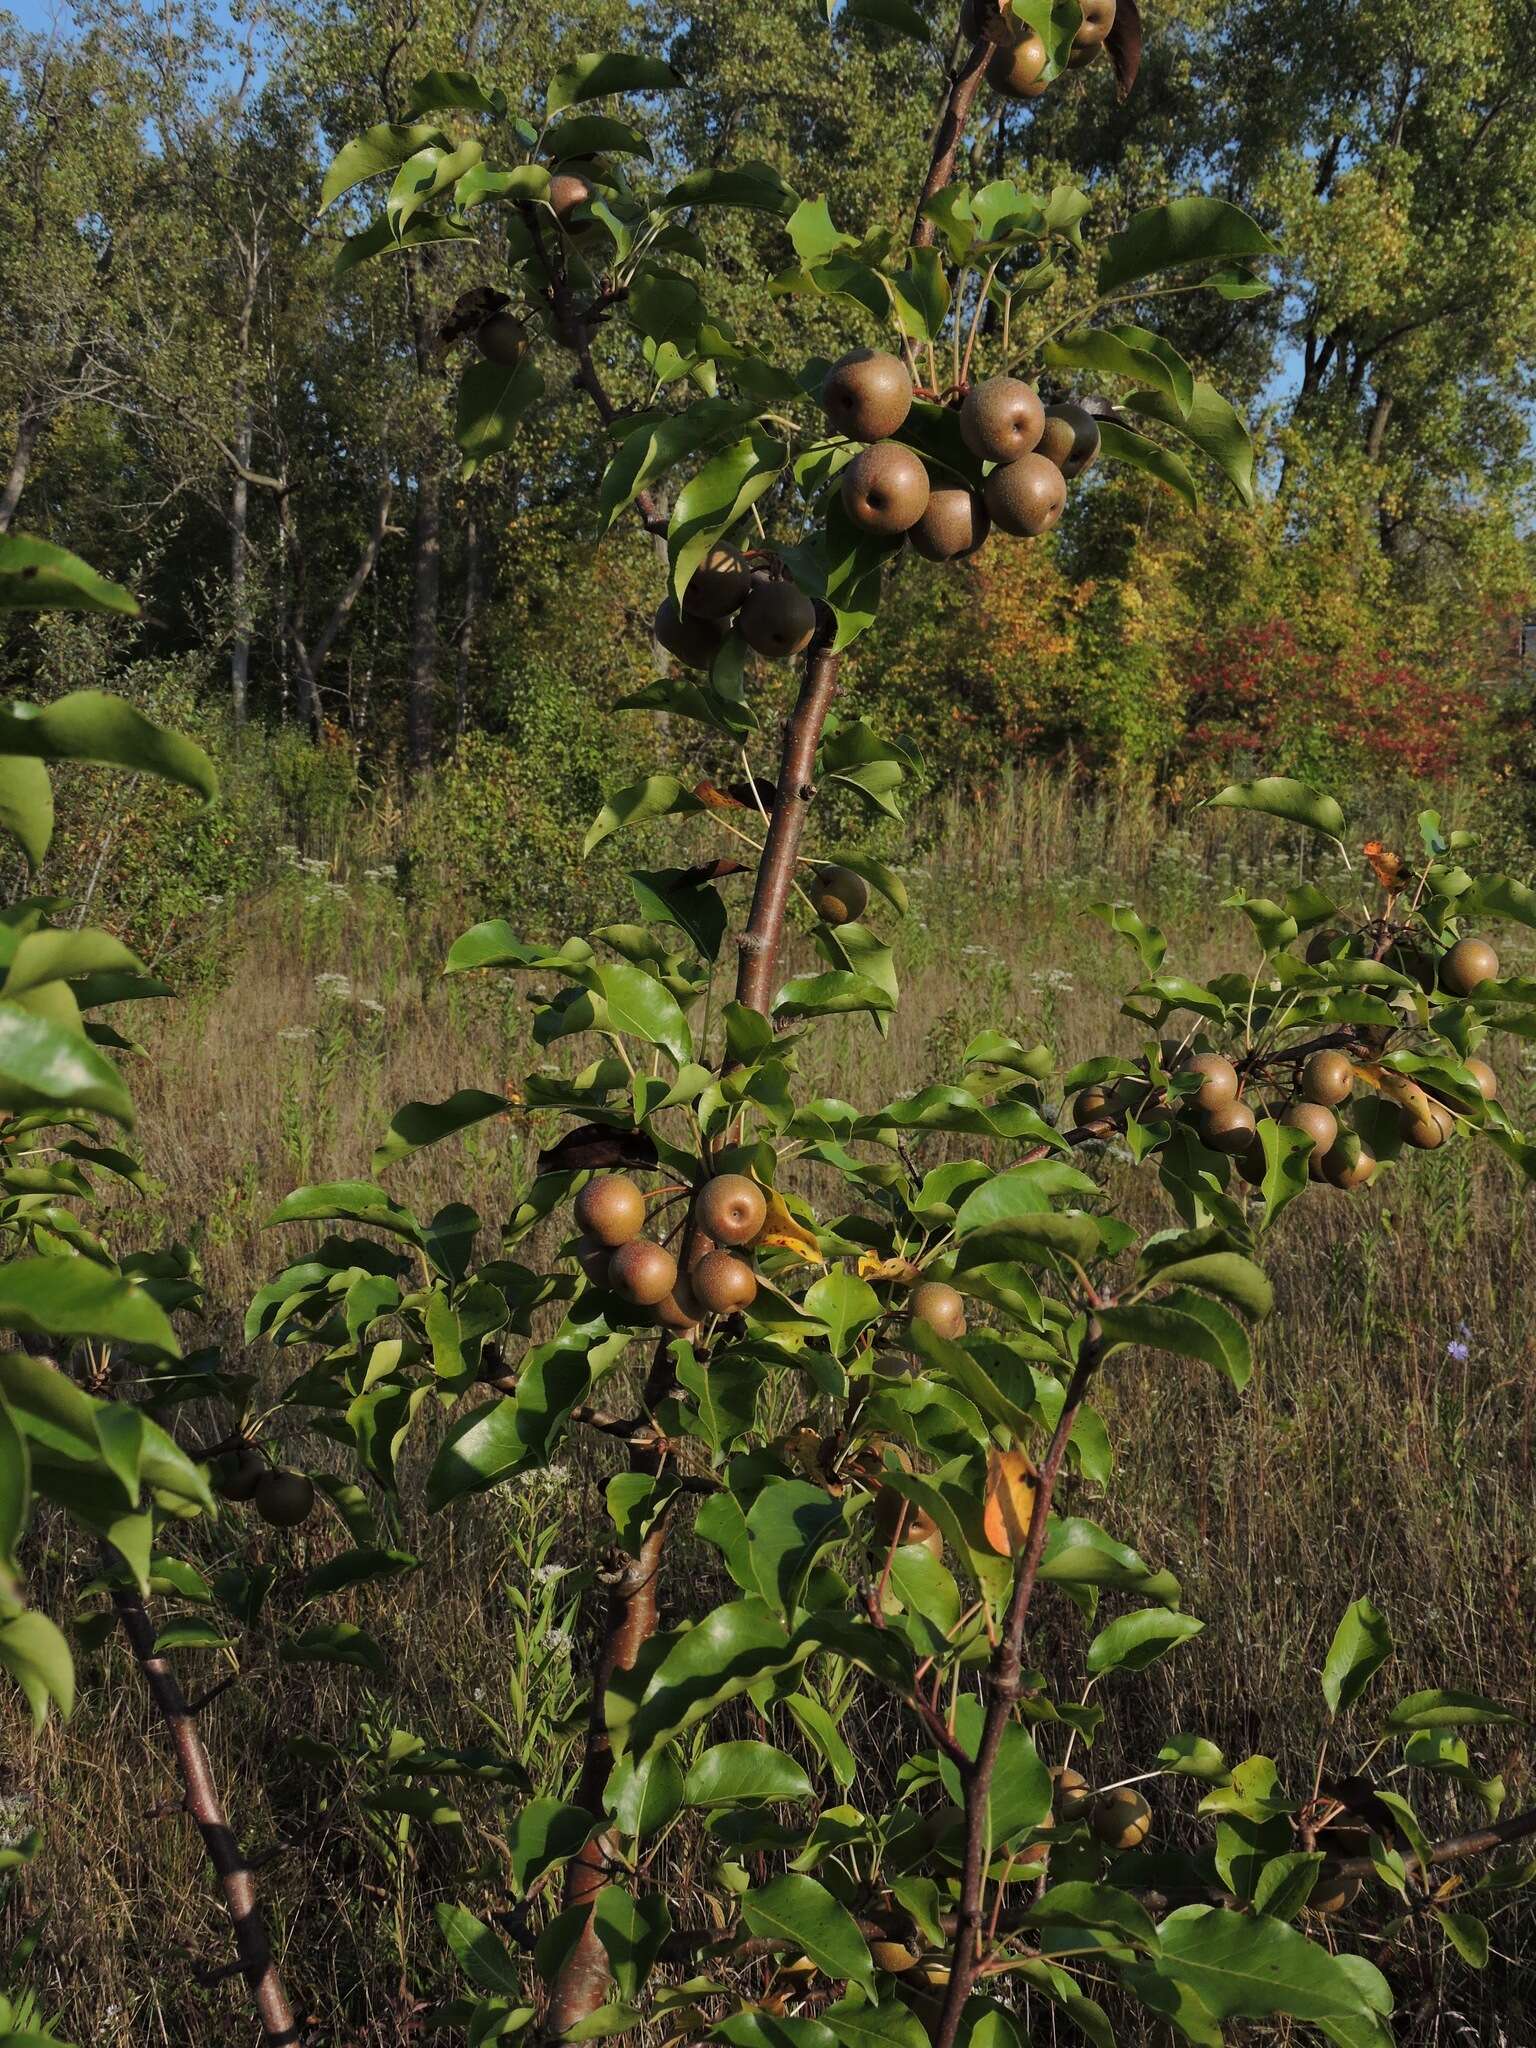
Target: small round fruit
{"type": "Point", "coordinates": [1487, 1080]}
{"type": "Point", "coordinates": [885, 489]}
{"type": "Point", "coordinates": [1317, 1123]}
{"type": "Point", "coordinates": [241, 1473]}
{"type": "Point", "coordinates": [1418, 965]}
{"type": "Point", "coordinates": [722, 1283]}
{"type": "Point", "coordinates": [1427, 1132]}
{"type": "Point", "coordinates": [1230, 1129]}
{"type": "Point", "coordinates": [954, 525]}
{"type": "Point", "coordinates": [1098, 20]}
{"type": "Point", "coordinates": [1333, 1891]}
{"type": "Point", "coordinates": [567, 190]}
{"type": "Point", "coordinates": [611, 1210]}
{"type": "Point", "coordinates": [594, 1259]}
{"type": "Point", "coordinates": [1328, 1077]}
{"type": "Point", "coordinates": [503, 340]}
{"type": "Point", "coordinates": [776, 620]}
{"type": "Point", "coordinates": [1120, 1819]}
{"type": "Point", "coordinates": [695, 642]}
{"type": "Point", "coordinates": [718, 586]}
{"type": "Point", "coordinates": [679, 1312]}
{"type": "Point", "coordinates": [1251, 1163]}
{"type": "Point", "coordinates": [840, 896]}
{"type": "Point", "coordinates": [1093, 1103]}
{"type": "Point", "coordinates": [1469, 963]}
{"type": "Point", "coordinates": [1001, 420]}
{"type": "Point", "coordinates": [1015, 71]}
{"type": "Point", "coordinates": [642, 1272]}
{"type": "Point", "coordinates": [1218, 1085]}
{"type": "Point", "coordinates": [899, 1519]}
{"type": "Point", "coordinates": [1342, 1171]}
{"type": "Point", "coordinates": [730, 1208]}
{"type": "Point", "coordinates": [867, 394]}
{"type": "Point", "coordinates": [1070, 439]}
{"type": "Point", "coordinates": [1073, 1795]}
{"type": "Point", "coordinates": [1026, 498]}
{"type": "Point", "coordinates": [940, 1306]}
{"type": "Point", "coordinates": [284, 1498]}
{"type": "Point", "coordinates": [1321, 945]}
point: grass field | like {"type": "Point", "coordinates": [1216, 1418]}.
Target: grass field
{"type": "Point", "coordinates": [1385, 1446]}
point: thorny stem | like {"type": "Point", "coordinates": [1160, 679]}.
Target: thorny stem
{"type": "Point", "coordinates": [1003, 1683]}
{"type": "Point", "coordinates": [201, 1800]}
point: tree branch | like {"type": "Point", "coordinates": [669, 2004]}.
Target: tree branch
{"type": "Point", "coordinates": [201, 1799]}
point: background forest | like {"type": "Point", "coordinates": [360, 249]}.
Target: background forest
{"type": "Point", "coordinates": [406, 678]}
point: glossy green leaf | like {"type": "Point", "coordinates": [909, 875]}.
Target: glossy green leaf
{"type": "Point", "coordinates": [545, 1833]}
{"type": "Point", "coordinates": [1278, 796]}
{"type": "Point", "coordinates": [756, 187]}
{"type": "Point", "coordinates": [381, 239]}
{"type": "Point", "coordinates": [1252, 1967]}
{"type": "Point", "coordinates": [483, 1956]}
{"type": "Point", "coordinates": [90, 725]}
{"type": "Point", "coordinates": [1118, 443]}
{"type": "Point", "coordinates": [710, 503]}
{"type": "Point", "coordinates": [1109, 354]}
{"type": "Point", "coordinates": [46, 1065]}
{"type": "Point", "coordinates": [50, 955]}
{"type": "Point", "coordinates": [492, 401]}
{"type": "Point", "coordinates": [37, 576]}
{"type": "Point", "coordinates": [594, 76]}
{"type": "Point", "coordinates": [34, 1652]}
{"type": "Point", "coordinates": [811, 1922]}
{"type": "Point", "coordinates": [897, 14]}
{"type": "Point", "coordinates": [383, 148]}
{"type": "Point", "coordinates": [1441, 1708]}
{"type": "Point", "coordinates": [26, 805]}
{"type": "Point", "coordinates": [1361, 1644]}
{"type": "Point", "coordinates": [639, 1005]}
{"type": "Point", "coordinates": [745, 1774]}
{"type": "Point", "coordinates": [416, 1124]}
{"type": "Point", "coordinates": [1196, 230]}
{"type": "Point", "coordinates": [74, 1297]}
{"type": "Point", "coordinates": [1133, 1641]}
{"type": "Point", "coordinates": [337, 1642]}
{"type": "Point", "coordinates": [1212, 424]}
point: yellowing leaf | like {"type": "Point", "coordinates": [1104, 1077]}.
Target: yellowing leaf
{"type": "Point", "coordinates": [786, 1233]}
{"type": "Point", "coordinates": [1011, 1486]}
{"type": "Point", "coordinates": [872, 1267]}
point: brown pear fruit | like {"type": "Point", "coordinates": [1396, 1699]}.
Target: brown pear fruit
{"type": "Point", "coordinates": [1332, 1891]}
{"type": "Point", "coordinates": [718, 586]}
{"type": "Point", "coordinates": [1072, 1795]}
{"type": "Point", "coordinates": [840, 896]}
{"type": "Point", "coordinates": [885, 490]}
{"type": "Point", "coordinates": [1487, 1080]}
{"type": "Point", "coordinates": [611, 1210]}
{"type": "Point", "coordinates": [1328, 1077]}
{"type": "Point", "coordinates": [1427, 1131]}
{"type": "Point", "coordinates": [867, 394]}
{"type": "Point", "coordinates": [940, 1306]}
{"type": "Point", "coordinates": [1218, 1084]}
{"type": "Point", "coordinates": [1413, 961]}
{"type": "Point", "coordinates": [898, 1519]}
{"type": "Point", "coordinates": [1026, 497]}
{"type": "Point", "coordinates": [730, 1208]}
{"type": "Point", "coordinates": [954, 525]}
{"type": "Point", "coordinates": [642, 1272]}
{"type": "Point", "coordinates": [776, 620]}
{"type": "Point", "coordinates": [1120, 1819]}
{"type": "Point", "coordinates": [1098, 20]}
{"type": "Point", "coordinates": [594, 1259]}
{"type": "Point", "coordinates": [722, 1283]}
{"type": "Point", "coordinates": [503, 340]}
{"type": "Point", "coordinates": [284, 1498]}
{"type": "Point", "coordinates": [1093, 1103]}
{"type": "Point", "coordinates": [695, 642]}
{"type": "Point", "coordinates": [239, 1474]}
{"type": "Point", "coordinates": [1321, 944]}
{"type": "Point", "coordinates": [1317, 1122]}
{"type": "Point", "coordinates": [894, 1957]}
{"type": "Point", "coordinates": [1469, 963]}
{"type": "Point", "coordinates": [1070, 439]}
{"type": "Point", "coordinates": [1341, 1170]}
{"type": "Point", "coordinates": [1002, 420]}
{"type": "Point", "coordinates": [1251, 1163]}
{"type": "Point", "coordinates": [567, 190]}
{"type": "Point", "coordinates": [678, 1312]}
{"type": "Point", "coordinates": [1010, 1501]}
{"type": "Point", "coordinates": [1229, 1129]}
{"type": "Point", "coordinates": [1016, 72]}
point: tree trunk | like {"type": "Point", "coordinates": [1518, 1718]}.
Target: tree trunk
{"type": "Point", "coordinates": [28, 428]}
{"type": "Point", "coordinates": [473, 566]}
{"type": "Point", "coordinates": [426, 576]}
{"type": "Point", "coordinates": [239, 501]}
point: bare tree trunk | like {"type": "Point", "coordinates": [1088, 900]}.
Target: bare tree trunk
{"type": "Point", "coordinates": [28, 428]}
{"type": "Point", "coordinates": [473, 566]}
{"type": "Point", "coordinates": [426, 577]}
{"type": "Point", "coordinates": [239, 499]}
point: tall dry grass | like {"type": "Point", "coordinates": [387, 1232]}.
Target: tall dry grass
{"type": "Point", "coordinates": [1385, 1446]}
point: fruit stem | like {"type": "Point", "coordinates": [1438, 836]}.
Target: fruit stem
{"type": "Point", "coordinates": [201, 1800]}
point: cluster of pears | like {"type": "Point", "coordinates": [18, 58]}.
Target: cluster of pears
{"type": "Point", "coordinates": [728, 1213]}
{"type": "Point", "coordinates": [1119, 1818]}
{"type": "Point", "coordinates": [1018, 66]}
{"type": "Point", "coordinates": [1035, 451]}
{"type": "Point", "coordinates": [773, 616]}
{"type": "Point", "coordinates": [1459, 971]}
{"type": "Point", "coordinates": [281, 1497]}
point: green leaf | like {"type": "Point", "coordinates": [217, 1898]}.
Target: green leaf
{"type": "Point", "coordinates": [1212, 424]}
{"type": "Point", "coordinates": [51, 955]}
{"type": "Point", "coordinates": [1278, 796]}
{"type": "Point", "coordinates": [445, 90]}
{"type": "Point", "coordinates": [46, 1065]}
{"type": "Point", "coordinates": [594, 76]}
{"type": "Point", "coordinates": [1189, 1326]}
{"type": "Point", "coordinates": [74, 1297]}
{"type": "Point", "coordinates": [492, 400]}
{"type": "Point", "coordinates": [547, 1832]}
{"type": "Point", "coordinates": [1226, 1274]}
{"type": "Point", "coordinates": [1250, 1967]}
{"type": "Point", "coordinates": [416, 1124]}
{"type": "Point", "coordinates": [897, 14]}
{"type": "Point", "coordinates": [710, 503]}
{"type": "Point", "coordinates": [1109, 354]}
{"type": "Point", "coordinates": [1100, 1907]}
{"type": "Point", "coordinates": [357, 1568]}
{"type": "Point", "coordinates": [1118, 444]}
{"type": "Point", "coordinates": [805, 1915]}
{"type": "Point", "coordinates": [483, 1956]}
{"type": "Point", "coordinates": [337, 1642]}
{"type": "Point", "coordinates": [15, 1497]}
{"type": "Point", "coordinates": [586, 135]}
{"type": "Point", "coordinates": [845, 1303]}
{"type": "Point", "coordinates": [36, 1655]}
{"type": "Point", "coordinates": [1438, 1708]}
{"type": "Point", "coordinates": [756, 187]}
{"type": "Point", "coordinates": [638, 1004]}
{"type": "Point", "coordinates": [643, 1798]}
{"type": "Point", "coordinates": [745, 1774]}
{"type": "Point", "coordinates": [648, 452]}
{"type": "Point", "coordinates": [382, 240]}
{"type": "Point", "coordinates": [26, 805]}
{"type": "Point", "coordinates": [920, 294]}
{"type": "Point", "coordinates": [36, 576]}
{"type": "Point", "coordinates": [383, 148]}
{"type": "Point", "coordinates": [1133, 1641]}
{"type": "Point", "coordinates": [1468, 1936]}
{"type": "Point", "coordinates": [90, 725]}
{"type": "Point", "coordinates": [1196, 230]}
{"type": "Point", "coordinates": [1151, 946]}
{"type": "Point", "coordinates": [788, 1525]}
{"type": "Point", "coordinates": [355, 1201]}
{"type": "Point", "coordinates": [1361, 1644]}
{"type": "Point", "coordinates": [654, 796]}
{"type": "Point", "coordinates": [831, 994]}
